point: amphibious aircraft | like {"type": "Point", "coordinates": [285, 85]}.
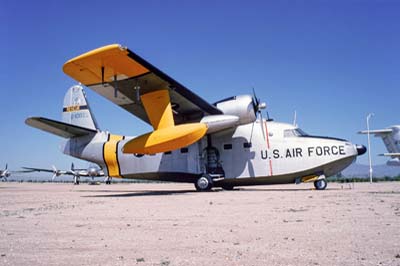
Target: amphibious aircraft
{"type": "Point", "coordinates": [211, 145]}
{"type": "Point", "coordinates": [91, 171]}
{"type": "Point", "coordinates": [391, 138]}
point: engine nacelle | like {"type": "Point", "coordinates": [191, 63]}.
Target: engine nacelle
{"type": "Point", "coordinates": [93, 171]}
{"type": "Point", "coordinates": [393, 162]}
{"type": "Point", "coordinates": [241, 106]}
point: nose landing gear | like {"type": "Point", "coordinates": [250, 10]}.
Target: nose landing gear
{"type": "Point", "coordinates": [320, 184]}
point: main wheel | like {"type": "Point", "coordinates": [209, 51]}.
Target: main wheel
{"type": "Point", "coordinates": [320, 184]}
{"type": "Point", "coordinates": [204, 183]}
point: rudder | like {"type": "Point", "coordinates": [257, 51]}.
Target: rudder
{"type": "Point", "coordinates": [76, 109]}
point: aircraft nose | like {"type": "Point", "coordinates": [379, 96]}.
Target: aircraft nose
{"type": "Point", "coordinates": [361, 149]}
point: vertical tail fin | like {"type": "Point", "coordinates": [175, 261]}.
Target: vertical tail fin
{"type": "Point", "coordinates": [76, 110]}
{"type": "Point", "coordinates": [392, 140]}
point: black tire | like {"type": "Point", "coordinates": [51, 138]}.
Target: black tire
{"type": "Point", "coordinates": [204, 183]}
{"type": "Point", "coordinates": [320, 184]}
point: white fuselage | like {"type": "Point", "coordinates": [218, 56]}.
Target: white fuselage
{"type": "Point", "coordinates": [281, 157]}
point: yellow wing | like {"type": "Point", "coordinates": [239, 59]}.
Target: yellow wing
{"type": "Point", "coordinates": [140, 88]}
{"type": "Point", "coordinates": [122, 77]}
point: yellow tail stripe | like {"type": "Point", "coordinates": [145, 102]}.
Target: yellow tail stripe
{"type": "Point", "coordinates": [110, 155]}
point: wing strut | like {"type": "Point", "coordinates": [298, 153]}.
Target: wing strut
{"type": "Point", "coordinates": [166, 135]}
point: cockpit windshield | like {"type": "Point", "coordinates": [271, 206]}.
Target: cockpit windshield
{"type": "Point", "coordinates": [300, 132]}
{"type": "Point", "coordinates": [297, 132]}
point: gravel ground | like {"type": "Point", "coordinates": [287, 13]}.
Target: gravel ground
{"type": "Point", "coordinates": [171, 224]}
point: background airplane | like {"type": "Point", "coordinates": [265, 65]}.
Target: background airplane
{"type": "Point", "coordinates": [221, 144]}
{"type": "Point", "coordinates": [5, 173]}
{"type": "Point", "coordinates": [391, 138]}
{"type": "Point", "coordinates": [91, 171]}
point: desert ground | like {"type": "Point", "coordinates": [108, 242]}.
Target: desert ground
{"type": "Point", "coordinates": [171, 224]}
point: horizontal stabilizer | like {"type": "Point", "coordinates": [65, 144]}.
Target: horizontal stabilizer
{"type": "Point", "coordinates": [377, 131]}
{"type": "Point", "coordinates": [58, 128]}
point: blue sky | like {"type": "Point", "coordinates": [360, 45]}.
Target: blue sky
{"type": "Point", "coordinates": [332, 61]}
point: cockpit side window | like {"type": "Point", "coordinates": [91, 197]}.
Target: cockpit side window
{"type": "Point", "coordinates": [289, 133]}
{"type": "Point", "coordinates": [297, 132]}
{"type": "Point", "coordinates": [301, 132]}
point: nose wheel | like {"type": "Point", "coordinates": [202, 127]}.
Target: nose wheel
{"type": "Point", "coordinates": [320, 184]}
{"type": "Point", "coordinates": [204, 183]}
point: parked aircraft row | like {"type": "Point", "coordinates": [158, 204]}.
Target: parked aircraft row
{"type": "Point", "coordinates": [92, 172]}
{"type": "Point", "coordinates": [224, 144]}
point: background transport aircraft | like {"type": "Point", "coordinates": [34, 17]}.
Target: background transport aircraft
{"type": "Point", "coordinates": [391, 138]}
{"type": "Point", "coordinates": [91, 171]}
{"type": "Point", "coordinates": [221, 144]}
{"type": "Point", "coordinates": [4, 174]}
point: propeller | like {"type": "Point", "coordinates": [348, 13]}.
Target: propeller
{"type": "Point", "coordinates": [6, 173]}
{"type": "Point", "coordinates": [55, 172]}
{"type": "Point", "coordinates": [258, 106]}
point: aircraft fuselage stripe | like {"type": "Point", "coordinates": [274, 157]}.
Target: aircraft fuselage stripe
{"type": "Point", "coordinates": [266, 133]}
{"type": "Point", "coordinates": [119, 166]}
{"type": "Point", "coordinates": [104, 158]}
{"type": "Point", "coordinates": [75, 108]}
{"type": "Point", "coordinates": [110, 154]}
{"type": "Point", "coordinates": [268, 146]}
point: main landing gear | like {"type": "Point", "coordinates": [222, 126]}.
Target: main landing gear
{"type": "Point", "coordinates": [108, 180]}
{"type": "Point", "coordinates": [204, 183]}
{"type": "Point", "coordinates": [320, 184]}
{"type": "Point", "coordinates": [76, 180]}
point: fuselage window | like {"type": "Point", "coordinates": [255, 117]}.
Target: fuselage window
{"type": "Point", "coordinates": [247, 145]}
{"type": "Point", "coordinates": [184, 150]}
{"type": "Point", "coordinates": [167, 152]}
{"type": "Point", "coordinates": [227, 146]}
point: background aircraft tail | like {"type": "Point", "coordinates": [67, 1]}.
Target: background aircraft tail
{"type": "Point", "coordinates": [391, 138]}
{"type": "Point", "coordinates": [76, 109]}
